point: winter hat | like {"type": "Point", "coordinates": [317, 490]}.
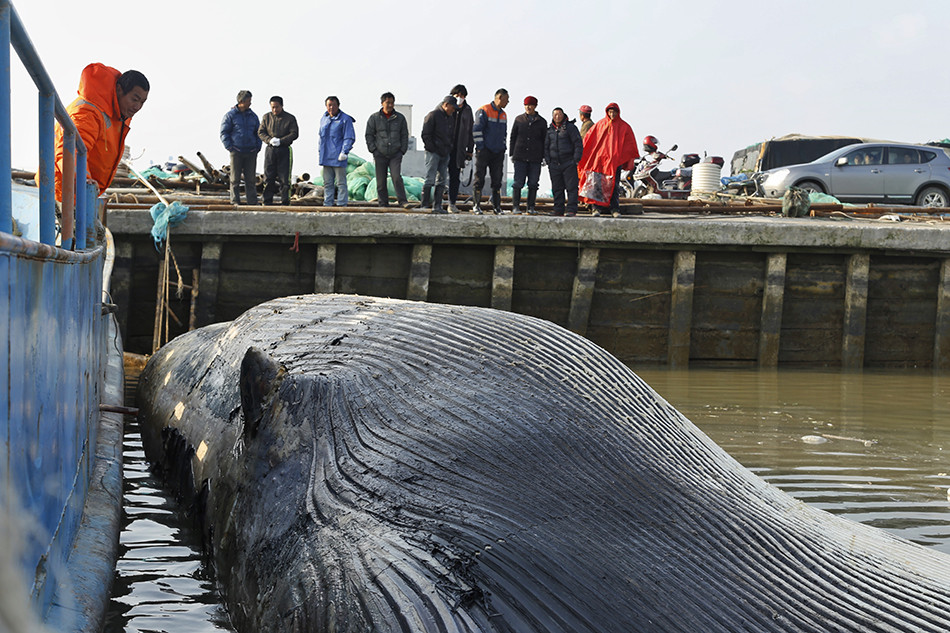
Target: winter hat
{"type": "Point", "coordinates": [586, 109]}
{"type": "Point", "coordinates": [529, 100]}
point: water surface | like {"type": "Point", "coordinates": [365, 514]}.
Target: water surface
{"type": "Point", "coordinates": [884, 438]}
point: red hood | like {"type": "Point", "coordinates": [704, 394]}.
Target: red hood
{"type": "Point", "coordinates": [614, 106]}
{"type": "Point", "coordinates": [97, 86]}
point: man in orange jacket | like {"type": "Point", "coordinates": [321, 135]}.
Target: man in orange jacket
{"type": "Point", "coordinates": [107, 101]}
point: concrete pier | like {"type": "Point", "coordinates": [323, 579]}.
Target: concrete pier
{"type": "Point", "coordinates": [655, 288]}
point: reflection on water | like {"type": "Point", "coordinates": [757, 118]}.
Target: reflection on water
{"type": "Point", "coordinates": [884, 438]}
{"type": "Point", "coordinates": [161, 581]}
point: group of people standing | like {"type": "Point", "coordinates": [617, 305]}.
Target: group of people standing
{"type": "Point", "coordinates": [243, 135]}
{"type": "Point", "coordinates": [584, 164]}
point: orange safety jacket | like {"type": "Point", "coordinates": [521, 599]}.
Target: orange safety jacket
{"type": "Point", "coordinates": [99, 122]}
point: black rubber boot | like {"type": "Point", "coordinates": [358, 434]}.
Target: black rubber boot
{"type": "Point", "coordinates": [496, 201]}
{"type": "Point", "coordinates": [437, 199]}
{"type": "Point", "coordinates": [477, 198]}
{"type": "Point", "coordinates": [532, 196]}
{"type": "Point", "coordinates": [426, 197]}
{"type": "Point", "coordinates": [515, 202]}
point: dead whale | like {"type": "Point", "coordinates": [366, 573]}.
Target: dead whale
{"type": "Point", "coordinates": [363, 464]}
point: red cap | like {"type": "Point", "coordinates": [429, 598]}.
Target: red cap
{"type": "Point", "coordinates": [586, 109]}
{"type": "Point", "coordinates": [529, 100]}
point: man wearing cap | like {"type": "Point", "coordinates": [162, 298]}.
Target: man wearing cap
{"type": "Point", "coordinates": [438, 128]}
{"type": "Point", "coordinates": [239, 135]}
{"type": "Point", "coordinates": [586, 124]}
{"type": "Point", "coordinates": [278, 129]}
{"type": "Point", "coordinates": [527, 152]}
{"type": "Point", "coordinates": [490, 131]}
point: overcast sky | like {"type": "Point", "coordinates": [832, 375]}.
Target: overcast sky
{"type": "Point", "coordinates": [711, 76]}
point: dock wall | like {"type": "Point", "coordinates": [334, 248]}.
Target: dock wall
{"type": "Point", "coordinates": [677, 290]}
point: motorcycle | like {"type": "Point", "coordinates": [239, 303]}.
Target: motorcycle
{"type": "Point", "coordinates": [647, 178]}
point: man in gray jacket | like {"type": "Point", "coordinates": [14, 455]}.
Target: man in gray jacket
{"type": "Point", "coordinates": [278, 129]}
{"type": "Point", "coordinates": [387, 139]}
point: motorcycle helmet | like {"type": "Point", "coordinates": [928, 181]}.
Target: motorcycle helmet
{"type": "Point", "coordinates": [689, 160]}
{"type": "Point", "coordinates": [650, 143]}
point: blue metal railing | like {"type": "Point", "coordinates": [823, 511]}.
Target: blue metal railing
{"type": "Point", "coordinates": [78, 216]}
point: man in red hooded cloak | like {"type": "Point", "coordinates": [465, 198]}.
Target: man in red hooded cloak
{"type": "Point", "coordinates": [609, 147]}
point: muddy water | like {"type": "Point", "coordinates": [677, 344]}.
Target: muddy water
{"type": "Point", "coordinates": [872, 447]}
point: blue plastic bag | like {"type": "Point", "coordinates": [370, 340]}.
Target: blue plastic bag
{"type": "Point", "coordinates": [164, 218]}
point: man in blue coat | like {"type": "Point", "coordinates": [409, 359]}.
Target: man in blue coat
{"type": "Point", "coordinates": [337, 136]}
{"type": "Point", "coordinates": [239, 135]}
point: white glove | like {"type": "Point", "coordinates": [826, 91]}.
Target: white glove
{"type": "Point", "coordinates": [275, 142]}
{"type": "Point", "coordinates": [341, 157]}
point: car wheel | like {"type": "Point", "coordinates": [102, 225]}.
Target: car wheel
{"type": "Point", "coordinates": [933, 197]}
{"type": "Point", "coordinates": [811, 185]}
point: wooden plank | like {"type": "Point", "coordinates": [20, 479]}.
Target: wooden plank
{"type": "Point", "coordinates": [209, 274]}
{"type": "Point", "coordinates": [941, 360]}
{"type": "Point", "coordinates": [461, 275]}
{"type": "Point", "coordinates": [681, 308]}
{"type": "Point", "coordinates": [192, 321]}
{"type": "Point", "coordinates": [855, 311]}
{"type": "Point", "coordinates": [582, 294]}
{"type": "Point", "coordinates": [503, 277]}
{"type": "Point", "coordinates": [159, 309]}
{"type": "Point", "coordinates": [417, 287]}
{"type": "Point", "coordinates": [325, 276]}
{"type": "Point", "coordinates": [772, 301]}
{"type": "Point", "coordinates": [632, 343]}
{"type": "Point", "coordinates": [901, 311]}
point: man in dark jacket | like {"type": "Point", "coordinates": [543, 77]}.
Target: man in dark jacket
{"type": "Point", "coordinates": [438, 128]}
{"type": "Point", "coordinates": [387, 139]}
{"type": "Point", "coordinates": [239, 135]}
{"type": "Point", "coordinates": [463, 143]}
{"type": "Point", "coordinates": [278, 129]}
{"type": "Point", "coordinates": [527, 151]}
{"type": "Point", "coordinates": [563, 148]}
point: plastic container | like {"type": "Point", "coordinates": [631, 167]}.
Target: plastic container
{"type": "Point", "coordinates": [706, 178]}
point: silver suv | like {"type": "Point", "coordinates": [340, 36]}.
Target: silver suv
{"type": "Point", "coordinates": [871, 172]}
